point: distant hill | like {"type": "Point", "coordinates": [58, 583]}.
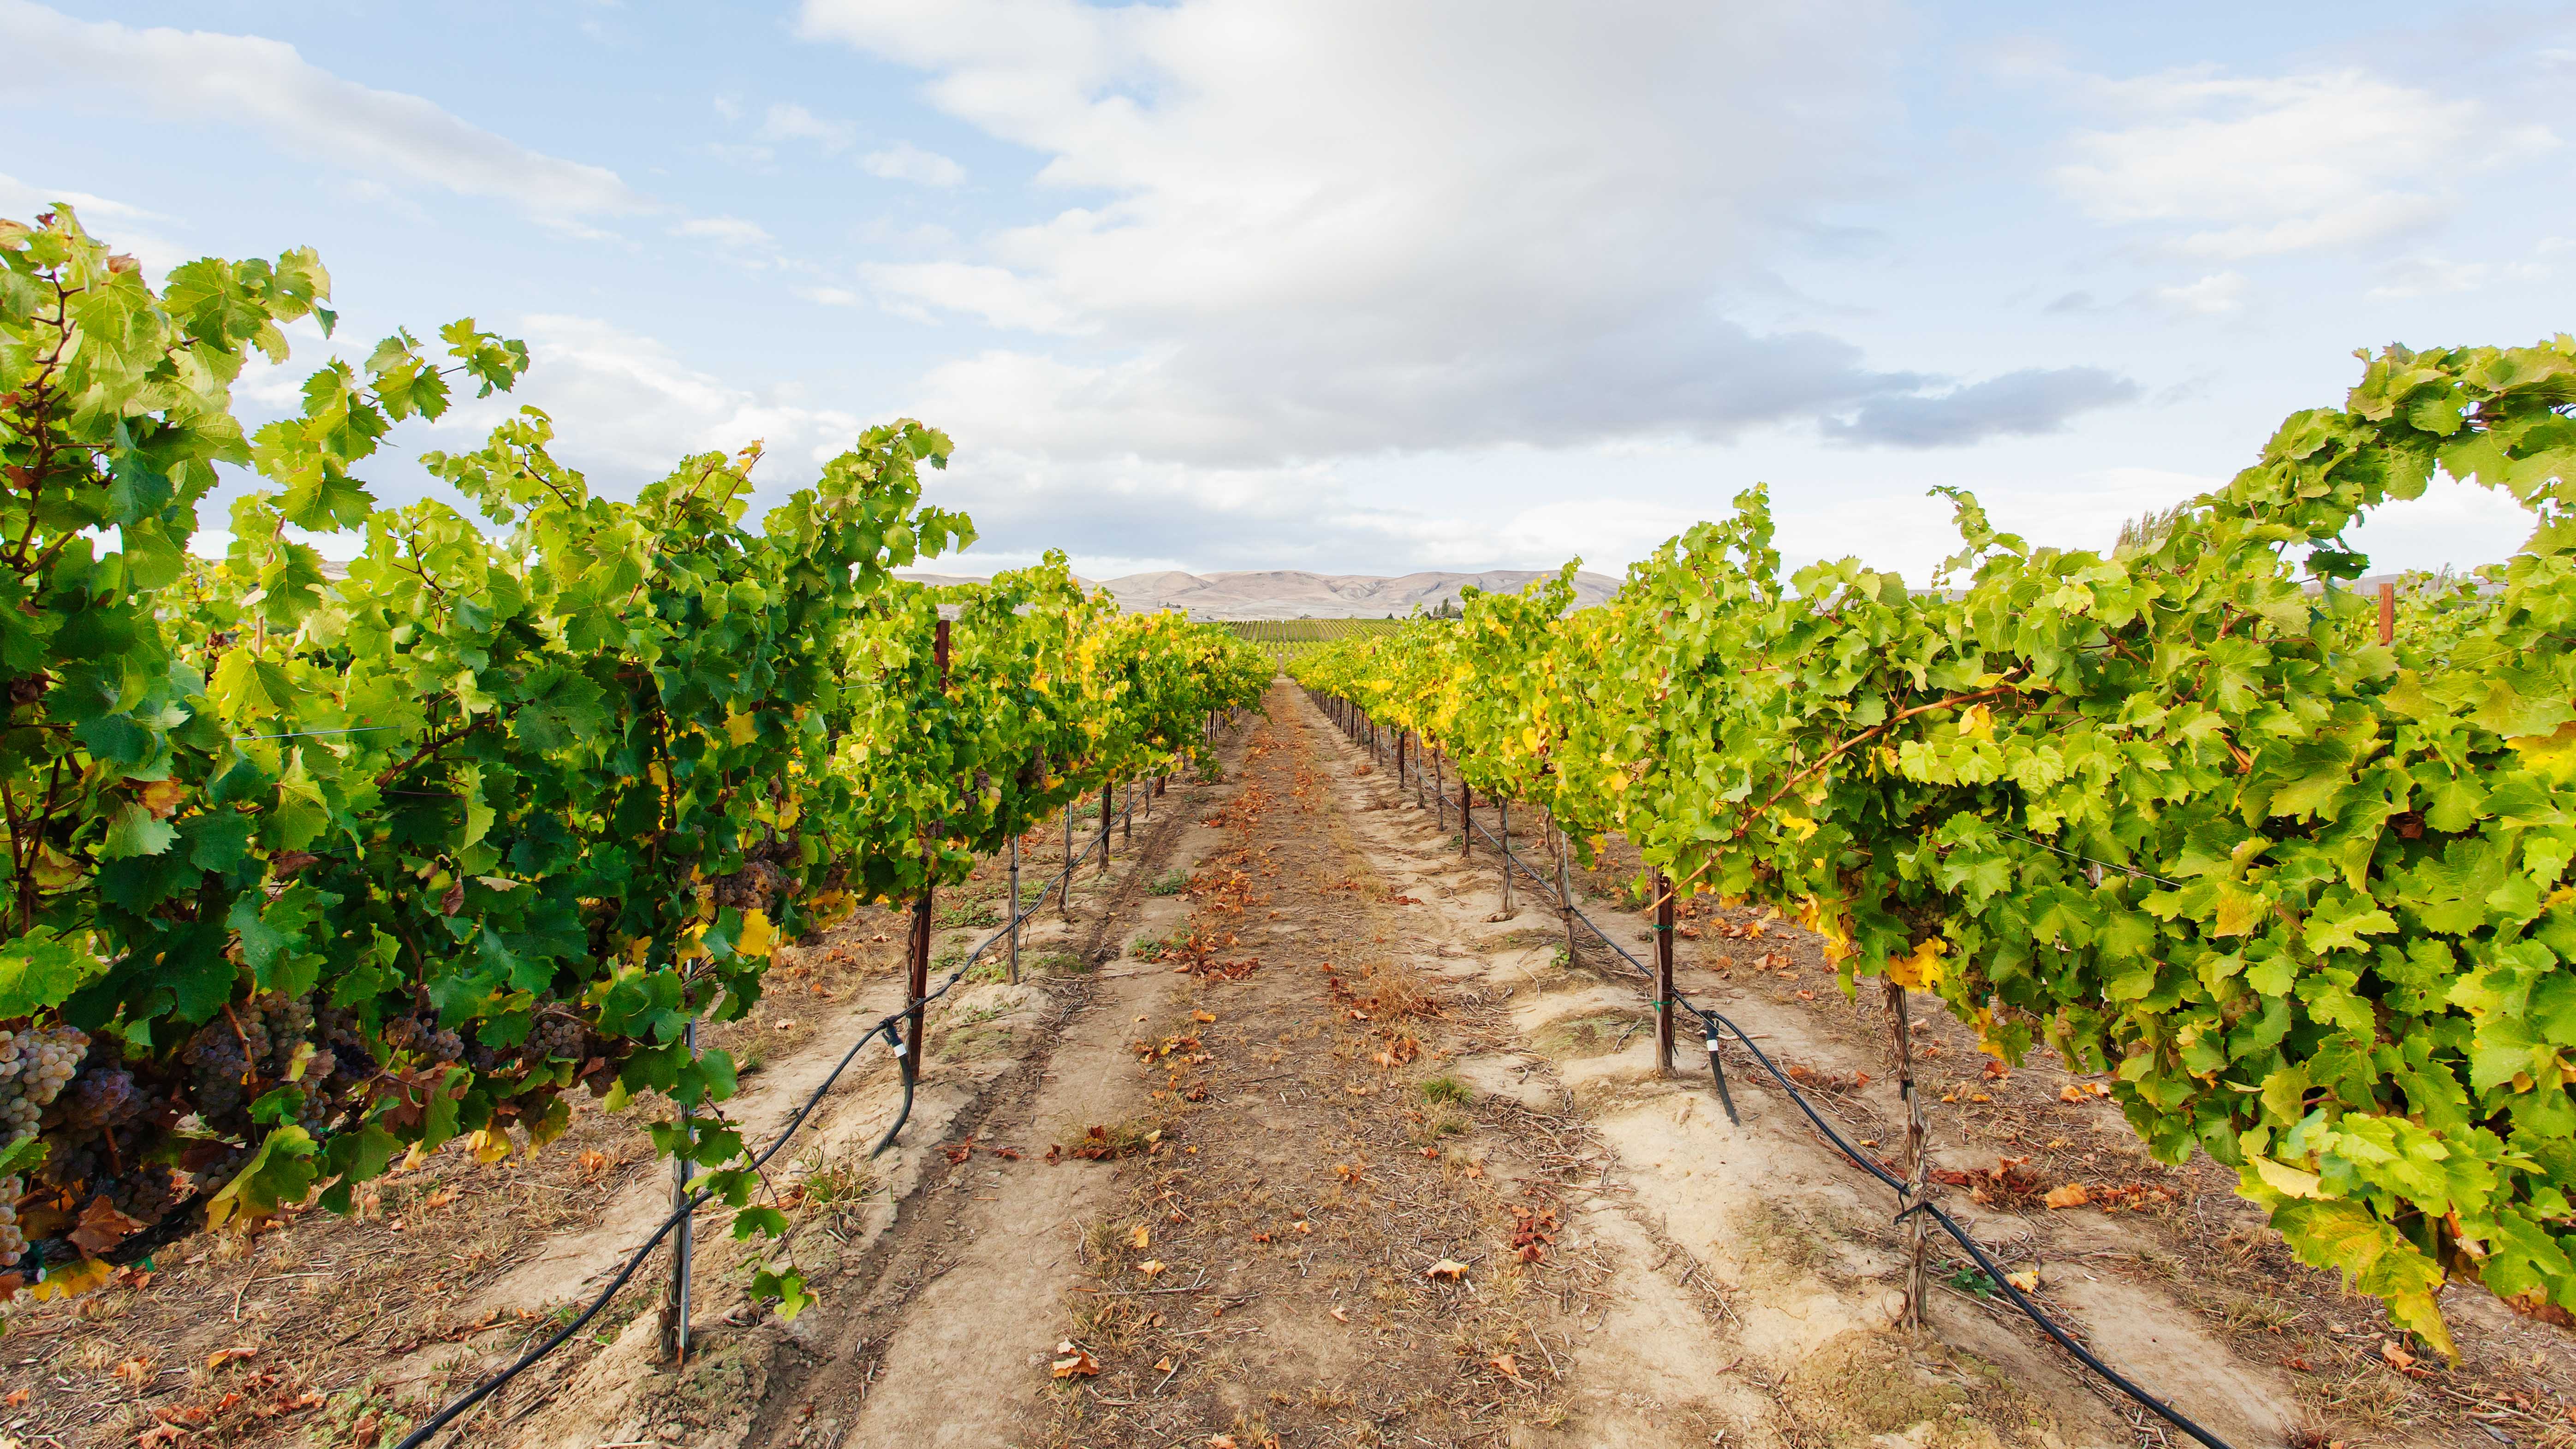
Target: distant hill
{"type": "Point", "coordinates": [1297, 594]}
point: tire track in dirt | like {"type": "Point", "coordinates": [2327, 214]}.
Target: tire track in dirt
{"type": "Point", "coordinates": [911, 1357]}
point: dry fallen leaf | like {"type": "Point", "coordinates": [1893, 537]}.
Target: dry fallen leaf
{"type": "Point", "coordinates": [2393, 1356]}
{"type": "Point", "coordinates": [1202, 1016]}
{"type": "Point", "coordinates": [1449, 1268]}
{"type": "Point", "coordinates": [223, 1356]}
{"type": "Point", "coordinates": [1303, 1227]}
{"type": "Point", "coordinates": [2027, 1280]}
{"type": "Point", "coordinates": [1508, 1366]}
{"type": "Point", "coordinates": [1140, 1237]}
{"type": "Point", "coordinates": [1163, 1367]}
{"type": "Point", "coordinates": [1340, 1317]}
{"type": "Point", "coordinates": [1150, 1267]}
{"type": "Point", "coordinates": [135, 1371]}
{"type": "Point", "coordinates": [2070, 1093]}
{"type": "Point", "coordinates": [2072, 1195]}
{"type": "Point", "coordinates": [1220, 1441]}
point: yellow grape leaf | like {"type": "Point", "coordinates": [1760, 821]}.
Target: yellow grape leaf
{"type": "Point", "coordinates": [758, 938]}
{"type": "Point", "coordinates": [1920, 971]}
{"type": "Point", "coordinates": [2285, 1180]}
{"type": "Point", "coordinates": [2550, 756]}
{"type": "Point", "coordinates": [1140, 1237]}
{"type": "Point", "coordinates": [85, 1276]}
{"type": "Point", "coordinates": [2238, 910]}
{"type": "Point", "coordinates": [488, 1144]}
{"type": "Point", "coordinates": [741, 728]}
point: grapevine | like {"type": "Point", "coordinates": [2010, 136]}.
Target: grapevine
{"type": "Point", "coordinates": [304, 872]}
{"type": "Point", "coordinates": [2175, 807]}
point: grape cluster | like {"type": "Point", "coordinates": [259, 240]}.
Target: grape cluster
{"type": "Point", "coordinates": [34, 1068]}
{"type": "Point", "coordinates": [423, 1035]}
{"type": "Point", "coordinates": [558, 1038]}
{"type": "Point", "coordinates": [13, 1243]}
{"type": "Point", "coordinates": [253, 1046]}
{"type": "Point", "coordinates": [101, 1096]}
{"type": "Point", "coordinates": [218, 1060]}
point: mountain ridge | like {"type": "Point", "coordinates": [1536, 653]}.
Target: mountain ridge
{"type": "Point", "coordinates": [1303, 594]}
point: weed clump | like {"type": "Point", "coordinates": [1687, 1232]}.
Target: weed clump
{"type": "Point", "coordinates": [1446, 1090]}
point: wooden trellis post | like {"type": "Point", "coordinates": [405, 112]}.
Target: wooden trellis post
{"type": "Point", "coordinates": [1916, 1169]}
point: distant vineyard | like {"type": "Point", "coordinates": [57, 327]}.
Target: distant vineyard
{"type": "Point", "coordinates": [1287, 640]}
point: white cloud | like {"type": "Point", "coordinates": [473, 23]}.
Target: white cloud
{"type": "Point", "coordinates": [829, 296]}
{"type": "Point", "coordinates": [1331, 228]}
{"type": "Point", "coordinates": [732, 229]}
{"type": "Point", "coordinates": [997, 295]}
{"type": "Point", "coordinates": [627, 404]}
{"type": "Point", "coordinates": [205, 77]}
{"type": "Point", "coordinates": [2238, 167]}
{"type": "Point", "coordinates": [2431, 276]}
{"type": "Point", "coordinates": [904, 161]}
{"type": "Point", "coordinates": [789, 122]}
{"type": "Point", "coordinates": [1604, 532]}
{"type": "Point", "coordinates": [2220, 294]}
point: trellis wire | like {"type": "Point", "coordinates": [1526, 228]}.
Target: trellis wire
{"type": "Point", "coordinates": [682, 1212]}
{"type": "Point", "coordinates": [1712, 1020]}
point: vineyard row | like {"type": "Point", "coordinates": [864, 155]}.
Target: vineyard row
{"type": "Point", "coordinates": [2180, 809]}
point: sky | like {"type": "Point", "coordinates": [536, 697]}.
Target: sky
{"type": "Point", "coordinates": [1369, 287]}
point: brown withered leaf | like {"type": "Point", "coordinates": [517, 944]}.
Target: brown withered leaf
{"type": "Point", "coordinates": [102, 1227]}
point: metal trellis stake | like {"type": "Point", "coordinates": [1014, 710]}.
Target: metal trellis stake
{"type": "Point", "coordinates": [1107, 792]}
{"type": "Point", "coordinates": [675, 1308]}
{"type": "Point", "coordinates": [1015, 910]}
{"type": "Point", "coordinates": [1064, 900]}
{"type": "Point", "coordinates": [1503, 818]}
{"type": "Point", "coordinates": [1663, 975]}
{"type": "Point", "coordinates": [918, 1017]}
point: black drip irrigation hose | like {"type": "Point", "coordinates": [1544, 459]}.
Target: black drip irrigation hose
{"type": "Point", "coordinates": [1711, 1021]}
{"type": "Point", "coordinates": [886, 1028]}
